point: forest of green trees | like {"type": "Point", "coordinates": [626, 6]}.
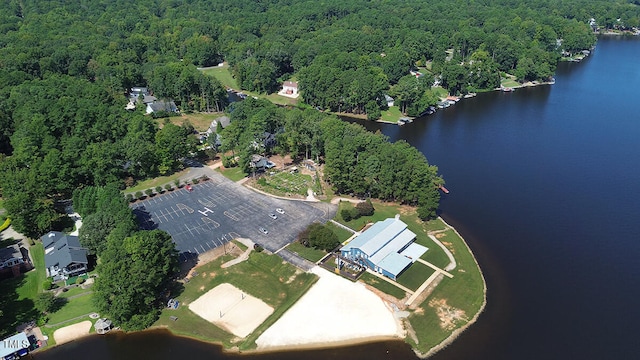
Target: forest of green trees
{"type": "Point", "coordinates": [66, 67]}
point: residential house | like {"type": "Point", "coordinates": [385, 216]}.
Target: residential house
{"type": "Point", "coordinates": [63, 255]}
{"type": "Point", "coordinates": [387, 248]}
{"type": "Point", "coordinates": [259, 162]}
{"type": "Point", "coordinates": [389, 100]}
{"type": "Point", "coordinates": [13, 259]}
{"type": "Point", "coordinates": [161, 106]}
{"type": "Point", "coordinates": [290, 88]}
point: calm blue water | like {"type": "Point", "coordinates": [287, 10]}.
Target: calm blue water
{"type": "Point", "coordinates": [545, 187]}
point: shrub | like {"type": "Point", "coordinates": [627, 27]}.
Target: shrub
{"type": "Point", "coordinates": [322, 237]}
{"type": "Point", "coordinates": [195, 181]}
{"type": "Point", "coordinates": [355, 214]}
{"type": "Point", "coordinates": [45, 302]}
{"type": "Point", "coordinates": [139, 194]}
{"type": "Point", "coordinates": [262, 181]}
{"type": "Point", "coordinates": [346, 214]}
{"type": "Point", "coordinates": [365, 208]}
{"type": "Point", "coordinates": [257, 248]}
{"type": "Point", "coordinates": [159, 189]}
{"type": "Point", "coordinates": [129, 197]}
{"type": "Point", "coordinates": [80, 280]}
{"type": "Point", "coordinates": [229, 161]}
{"type": "Point", "coordinates": [149, 192]}
{"type": "Point", "coordinates": [47, 285]}
{"type": "Point", "coordinates": [168, 187]}
{"type": "Point", "coordinates": [177, 183]}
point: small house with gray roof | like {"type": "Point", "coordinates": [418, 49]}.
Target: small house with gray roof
{"type": "Point", "coordinates": [387, 248]}
{"type": "Point", "coordinates": [63, 255]}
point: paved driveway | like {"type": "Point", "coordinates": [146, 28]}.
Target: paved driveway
{"type": "Point", "coordinates": [218, 210]}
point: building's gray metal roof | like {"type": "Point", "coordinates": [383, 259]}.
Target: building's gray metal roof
{"type": "Point", "coordinates": [393, 246]}
{"type": "Point", "coordinates": [62, 250]}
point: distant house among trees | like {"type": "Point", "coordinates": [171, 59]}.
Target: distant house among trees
{"type": "Point", "coordinates": [389, 100]}
{"type": "Point", "coordinates": [260, 162]}
{"type": "Point", "coordinates": [387, 248]}
{"type": "Point", "coordinates": [289, 89]}
{"type": "Point", "coordinates": [13, 259]}
{"type": "Point", "coordinates": [63, 255]}
{"type": "Point", "coordinates": [158, 106]}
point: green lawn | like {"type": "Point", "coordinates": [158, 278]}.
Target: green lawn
{"type": "Point", "coordinates": [382, 211]}
{"type": "Point", "coordinates": [223, 74]}
{"type": "Point", "coordinates": [200, 121]}
{"type": "Point", "coordinates": [34, 278]}
{"type": "Point", "coordinates": [17, 294]}
{"type": "Point", "coordinates": [342, 234]}
{"type": "Point", "coordinates": [440, 92]}
{"type": "Point", "coordinates": [233, 174]}
{"type": "Point", "coordinates": [73, 308]}
{"type": "Point", "coordinates": [391, 115]}
{"type": "Point", "coordinates": [464, 291]}
{"type": "Point", "coordinates": [382, 285]}
{"type": "Point", "coordinates": [266, 277]}
{"type": "Point", "coordinates": [308, 253]}
{"type": "Point", "coordinates": [415, 275]}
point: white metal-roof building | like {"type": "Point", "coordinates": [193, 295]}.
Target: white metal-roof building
{"type": "Point", "coordinates": [387, 247]}
{"type": "Point", "coordinates": [16, 345]}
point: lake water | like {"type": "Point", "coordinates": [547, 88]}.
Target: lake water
{"type": "Point", "coordinates": [545, 188]}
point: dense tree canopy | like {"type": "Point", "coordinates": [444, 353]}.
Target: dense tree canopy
{"type": "Point", "coordinates": [66, 66]}
{"type": "Point", "coordinates": [134, 273]}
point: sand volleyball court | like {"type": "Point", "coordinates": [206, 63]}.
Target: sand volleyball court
{"type": "Point", "coordinates": [231, 309]}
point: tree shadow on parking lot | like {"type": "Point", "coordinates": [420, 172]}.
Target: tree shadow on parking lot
{"type": "Point", "coordinates": [144, 219]}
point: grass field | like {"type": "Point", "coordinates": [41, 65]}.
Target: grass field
{"type": "Point", "coordinates": [415, 275]}
{"type": "Point", "coordinates": [391, 115]}
{"type": "Point", "coordinates": [200, 121]}
{"type": "Point", "coordinates": [223, 74]}
{"type": "Point", "coordinates": [308, 253]}
{"type": "Point", "coordinates": [464, 291]}
{"type": "Point", "coordinates": [383, 286]}
{"type": "Point", "coordinates": [342, 234]}
{"type": "Point", "coordinates": [17, 294]}
{"type": "Point", "coordinates": [233, 174]}
{"type": "Point", "coordinates": [264, 276]}
{"type": "Point", "coordinates": [80, 304]}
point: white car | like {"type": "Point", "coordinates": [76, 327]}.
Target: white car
{"type": "Point", "coordinates": [279, 211]}
{"type": "Point", "coordinates": [273, 216]}
{"type": "Point", "coordinates": [263, 230]}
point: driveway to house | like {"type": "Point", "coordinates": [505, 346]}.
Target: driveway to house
{"type": "Point", "coordinates": [219, 210]}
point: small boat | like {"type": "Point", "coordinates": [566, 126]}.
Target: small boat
{"type": "Point", "coordinates": [444, 189]}
{"type": "Point", "coordinates": [506, 89]}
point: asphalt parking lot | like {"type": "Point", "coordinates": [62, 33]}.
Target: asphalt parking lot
{"type": "Point", "coordinates": [218, 210]}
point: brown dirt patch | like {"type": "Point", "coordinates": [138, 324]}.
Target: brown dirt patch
{"type": "Point", "coordinates": [449, 316]}
{"type": "Point", "coordinates": [440, 235]}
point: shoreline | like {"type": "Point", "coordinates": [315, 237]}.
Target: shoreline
{"type": "Point", "coordinates": [457, 332]}
{"type": "Point", "coordinates": [332, 344]}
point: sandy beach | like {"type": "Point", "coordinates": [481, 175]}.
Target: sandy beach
{"type": "Point", "coordinates": [334, 310]}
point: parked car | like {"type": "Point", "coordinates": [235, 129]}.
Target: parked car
{"type": "Point", "coordinates": [273, 216]}
{"type": "Point", "coordinates": [279, 211]}
{"type": "Point", "coordinates": [263, 230]}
